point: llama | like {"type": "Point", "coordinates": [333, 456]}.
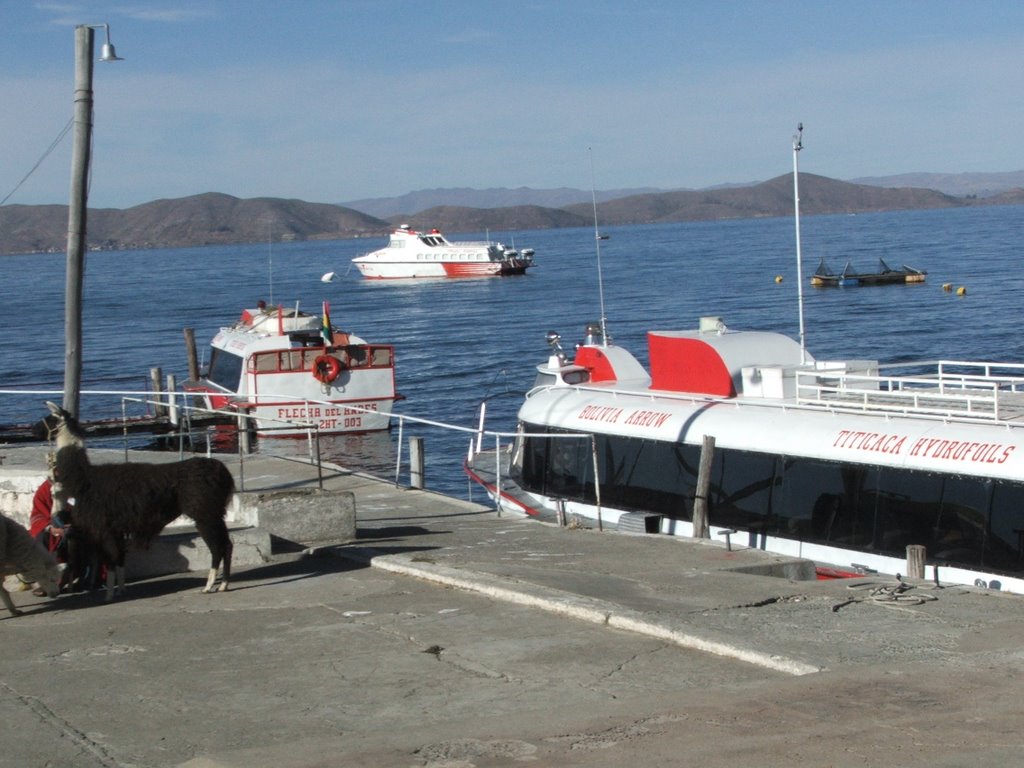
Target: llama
{"type": "Point", "coordinates": [118, 503]}
{"type": "Point", "coordinates": [20, 553]}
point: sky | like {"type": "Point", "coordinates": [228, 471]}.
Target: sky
{"type": "Point", "coordinates": [337, 100]}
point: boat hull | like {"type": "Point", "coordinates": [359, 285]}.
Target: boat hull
{"type": "Point", "coordinates": [404, 271]}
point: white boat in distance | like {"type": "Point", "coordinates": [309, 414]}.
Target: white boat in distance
{"type": "Point", "coordinates": [294, 371]}
{"type": "Point", "coordinates": [846, 463]}
{"type": "Point", "coordinates": [412, 254]}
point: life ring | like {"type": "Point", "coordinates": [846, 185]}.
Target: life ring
{"type": "Point", "coordinates": [326, 368]}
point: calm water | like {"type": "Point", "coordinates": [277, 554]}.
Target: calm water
{"type": "Point", "coordinates": [460, 341]}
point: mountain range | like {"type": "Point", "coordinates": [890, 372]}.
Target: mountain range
{"type": "Point", "coordinates": [215, 219]}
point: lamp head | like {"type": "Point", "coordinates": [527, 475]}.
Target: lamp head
{"type": "Point", "coordinates": [107, 53]}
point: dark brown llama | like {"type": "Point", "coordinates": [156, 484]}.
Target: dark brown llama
{"type": "Point", "coordinates": [132, 502]}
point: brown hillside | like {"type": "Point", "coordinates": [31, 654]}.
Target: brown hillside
{"type": "Point", "coordinates": [207, 219]}
{"type": "Point", "coordinates": [450, 218]}
{"type": "Point", "coordinates": [213, 218]}
{"type": "Point", "coordinates": [818, 194]}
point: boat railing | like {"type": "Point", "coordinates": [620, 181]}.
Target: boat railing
{"type": "Point", "coordinates": [954, 389]}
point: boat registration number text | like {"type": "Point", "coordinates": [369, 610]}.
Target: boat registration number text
{"type": "Point", "coordinates": [329, 417]}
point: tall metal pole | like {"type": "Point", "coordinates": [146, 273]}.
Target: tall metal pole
{"type": "Point", "coordinates": [797, 146]}
{"type": "Point", "coordinates": [77, 219]}
{"type": "Point", "coordinates": [597, 242]}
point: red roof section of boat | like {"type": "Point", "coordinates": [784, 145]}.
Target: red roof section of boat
{"type": "Point", "coordinates": [687, 364]}
{"type": "Point", "coordinates": [601, 368]}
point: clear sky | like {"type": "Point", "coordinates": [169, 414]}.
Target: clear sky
{"type": "Point", "coordinates": [335, 100]}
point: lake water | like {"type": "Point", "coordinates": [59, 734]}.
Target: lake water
{"type": "Point", "coordinates": [458, 342]}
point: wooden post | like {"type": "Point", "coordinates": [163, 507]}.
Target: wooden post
{"type": "Point", "coordinates": [190, 352]}
{"type": "Point", "coordinates": [701, 529]}
{"type": "Point", "coordinates": [560, 512]}
{"type": "Point", "coordinates": [156, 380]}
{"type": "Point", "coordinates": [77, 208]}
{"type": "Point", "coordinates": [416, 462]}
{"type": "Point", "coordinates": [915, 561]}
{"type": "Point", "coordinates": [243, 434]}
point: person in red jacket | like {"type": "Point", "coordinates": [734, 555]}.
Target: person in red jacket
{"type": "Point", "coordinates": [42, 526]}
{"type": "Point", "coordinates": [55, 535]}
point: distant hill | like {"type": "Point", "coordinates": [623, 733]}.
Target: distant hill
{"type": "Point", "coordinates": [213, 218]}
{"type": "Point", "coordinates": [818, 194]}
{"type": "Point", "coordinates": [207, 219]}
{"type": "Point", "coordinates": [450, 218]}
{"type": "Point", "coordinates": [496, 197]}
{"type": "Point", "coordinates": [957, 184]}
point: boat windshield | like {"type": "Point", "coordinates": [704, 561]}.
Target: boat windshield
{"type": "Point", "coordinates": [225, 369]}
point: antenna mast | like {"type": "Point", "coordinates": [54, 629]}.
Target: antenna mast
{"type": "Point", "coordinates": [270, 261]}
{"type": "Point", "coordinates": [798, 144]}
{"type": "Point", "coordinates": [597, 242]}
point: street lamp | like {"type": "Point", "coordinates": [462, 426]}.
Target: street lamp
{"type": "Point", "coordinates": [77, 207]}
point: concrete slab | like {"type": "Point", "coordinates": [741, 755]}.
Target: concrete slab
{"type": "Point", "coordinates": [446, 635]}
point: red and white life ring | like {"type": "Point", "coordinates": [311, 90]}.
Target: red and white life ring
{"type": "Point", "coordinates": [326, 368]}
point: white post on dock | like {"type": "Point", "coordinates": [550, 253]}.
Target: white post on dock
{"type": "Point", "coordinates": [172, 400]}
{"type": "Point", "coordinates": [416, 463]}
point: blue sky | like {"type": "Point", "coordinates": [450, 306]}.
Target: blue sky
{"type": "Point", "coordinates": [333, 101]}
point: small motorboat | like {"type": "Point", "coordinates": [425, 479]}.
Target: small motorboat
{"type": "Point", "coordinates": [412, 254]}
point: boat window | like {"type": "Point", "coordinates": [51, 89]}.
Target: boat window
{"type": "Point", "coordinates": [264, 362]}
{"type": "Point", "coordinates": [742, 485]}
{"type": "Point", "coordinates": [381, 357]}
{"type": "Point", "coordinates": [1004, 537]}
{"type": "Point", "coordinates": [544, 380]}
{"type": "Point", "coordinates": [576, 377]}
{"type": "Point", "coordinates": [225, 369]}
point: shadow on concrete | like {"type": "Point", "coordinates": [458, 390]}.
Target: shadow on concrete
{"type": "Point", "coordinates": [302, 567]}
{"type": "Point", "coordinates": [395, 532]}
{"type": "Point", "coordinates": [453, 515]}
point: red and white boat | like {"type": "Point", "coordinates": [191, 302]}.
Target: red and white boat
{"type": "Point", "coordinates": [846, 463]}
{"type": "Point", "coordinates": [412, 254]}
{"type": "Point", "coordinates": [293, 371]}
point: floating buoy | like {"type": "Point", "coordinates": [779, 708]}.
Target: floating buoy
{"type": "Point", "coordinates": [329, 277]}
{"type": "Point", "coordinates": [947, 287]}
{"type": "Point", "coordinates": [961, 291]}
{"type": "Point", "coordinates": [778, 278]}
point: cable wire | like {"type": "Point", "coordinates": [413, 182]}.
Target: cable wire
{"type": "Point", "coordinates": [39, 162]}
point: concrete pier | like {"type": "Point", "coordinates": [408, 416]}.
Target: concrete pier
{"type": "Point", "coordinates": [444, 635]}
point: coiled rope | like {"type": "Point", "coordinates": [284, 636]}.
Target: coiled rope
{"type": "Point", "coordinates": [890, 595]}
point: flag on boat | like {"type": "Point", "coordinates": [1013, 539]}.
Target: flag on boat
{"type": "Point", "coordinates": [325, 329]}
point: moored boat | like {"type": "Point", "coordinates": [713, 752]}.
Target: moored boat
{"type": "Point", "coordinates": [846, 462]}
{"type": "Point", "coordinates": [886, 275]}
{"type": "Point", "coordinates": [412, 254]}
{"type": "Point", "coordinates": [293, 371]}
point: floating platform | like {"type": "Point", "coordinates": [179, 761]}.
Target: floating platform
{"type": "Point", "coordinates": [886, 275]}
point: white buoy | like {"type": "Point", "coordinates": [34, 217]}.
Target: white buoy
{"type": "Point", "coordinates": [328, 278]}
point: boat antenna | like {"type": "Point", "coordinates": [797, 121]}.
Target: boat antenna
{"type": "Point", "coordinates": [597, 243]}
{"type": "Point", "coordinates": [270, 261]}
{"type": "Point", "coordinates": [798, 144]}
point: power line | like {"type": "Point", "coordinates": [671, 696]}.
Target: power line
{"type": "Point", "coordinates": [46, 154]}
